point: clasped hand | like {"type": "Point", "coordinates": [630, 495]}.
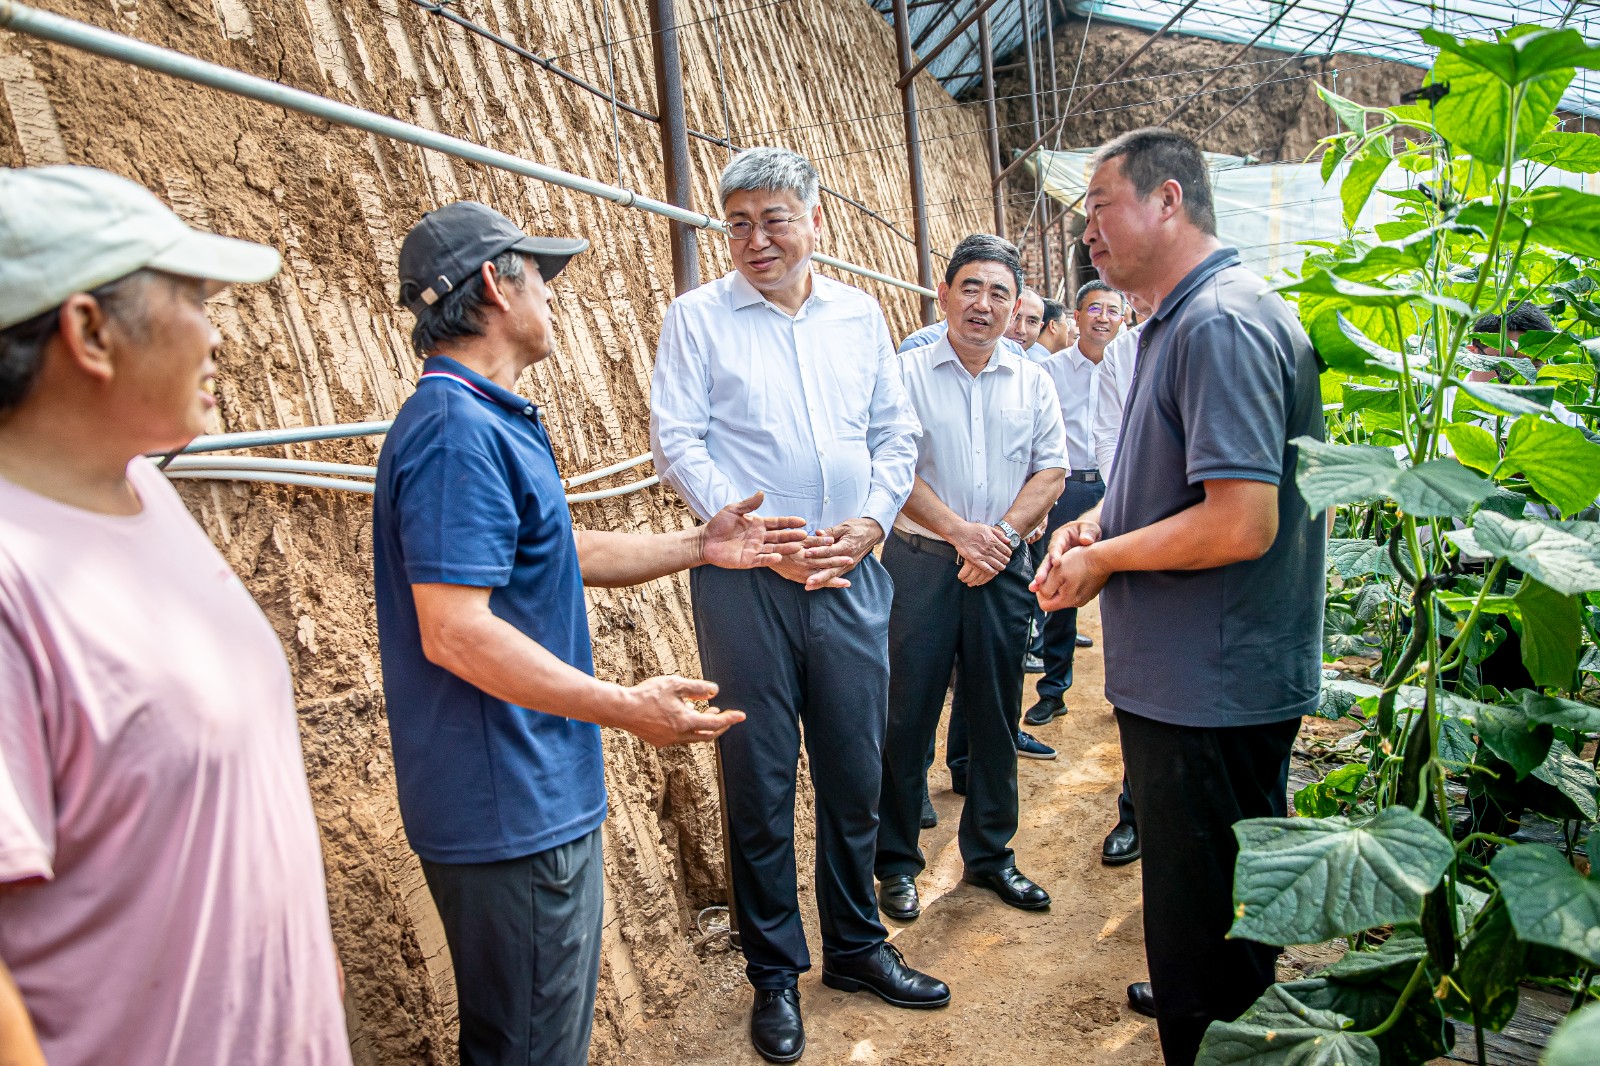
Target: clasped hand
{"type": "Point", "coordinates": [829, 554]}
{"type": "Point", "coordinates": [1070, 575]}
{"type": "Point", "coordinates": [984, 552]}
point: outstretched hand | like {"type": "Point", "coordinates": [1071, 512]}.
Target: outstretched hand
{"type": "Point", "coordinates": [736, 539]}
{"type": "Point", "coordinates": [664, 712]}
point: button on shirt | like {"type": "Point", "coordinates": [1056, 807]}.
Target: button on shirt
{"type": "Point", "coordinates": [808, 409]}
{"type": "Point", "coordinates": [468, 494]}
{"type": "Point", "coordinates": [984, 436]}
{"type": "Point", "coordinates": [1076, 378]}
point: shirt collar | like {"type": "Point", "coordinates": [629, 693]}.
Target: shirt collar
{"type": "Point", "coordinates": [456, 375]}
{"type": "Point", "coordinates": [743, 294]}
{"type": "Point", "coordinates": [1002, 358]}
{"type": "Point", "coordinates": [1210, 265]}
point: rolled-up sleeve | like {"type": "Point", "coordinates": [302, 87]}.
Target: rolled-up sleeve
{"type": "Point", "coordinates": [1049, 430]}
{"type": "Point", "coordinates": [27, 808]}
{"type": "Point", "coordinates": [892, 434]}
{"type": "Point", "coordinates": [680, 417]}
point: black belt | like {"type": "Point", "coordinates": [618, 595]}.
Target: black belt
{"type": "Point", "coordinates": [931, 545]}
{"type": "Point", "coordinates": [1090, 476]}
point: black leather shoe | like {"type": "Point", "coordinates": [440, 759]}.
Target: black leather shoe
{"type": "Point", "coordinates": [775, 1027]}
{"type": "Point", "coordinates": [1046, 710]}
{"type": "Point", "coordinates": [1141, 999]}
{"type": "Point", "coordinates": [1012, 888]}
{"type": "Point", "coordinates": [897, 898]}
{"type": "Point", "coordinates": [1083, 641]}
{"type": "Point", "coordinates": [930, 817]}
{"type": "Point", "coordinates": [885, 974]}
{"type": "Point", "coordinates": [1121, 846]}
{"type": "Point", "coordinates": [958, 785]}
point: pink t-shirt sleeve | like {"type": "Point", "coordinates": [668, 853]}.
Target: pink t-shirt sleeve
{"type": "Point", "coordinates": [27, 814]}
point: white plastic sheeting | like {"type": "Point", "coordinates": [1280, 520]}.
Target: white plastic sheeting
{"type": "Point", "coordinates": [1265, 209]}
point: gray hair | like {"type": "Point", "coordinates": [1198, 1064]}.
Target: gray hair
{"type": "Point", "coordinates": [770, 170]}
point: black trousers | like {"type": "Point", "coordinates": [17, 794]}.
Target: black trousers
{"type": "Point", "coordinates": [1059, 640]}
{"type": "Point", "coordinates": [524, 938]}
{"type": "Point", "coordinates": [786, 658]}
{"type": "Point", "coordinates": [1190, 786]}
{"type": "Point", "coordinates": [938, 624]}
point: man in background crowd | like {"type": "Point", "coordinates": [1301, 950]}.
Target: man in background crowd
{"type": "Point", "coordinates": [776, 378]}
{"type": "Point", "coordinates": [488, 673]}
{"type": "Point", "coordinates": [1211, 565]}
{"type": "Point", "coordinates": [161, 879]}
{"type": "Point", "coordinates": [989, 463]}
{"type": "Point", "coordinates": [1026, 325]}
{"type": "Point", "coordinates": [1059, 329]}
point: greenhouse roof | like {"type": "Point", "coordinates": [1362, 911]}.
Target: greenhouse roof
{"type": "Point", "coordinates": [1384, 29]}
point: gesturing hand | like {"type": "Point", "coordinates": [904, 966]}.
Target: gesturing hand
{"type": "Point", "coordinates": [663, 713]}
{"type": "Point", "coordinates": [735, 539]}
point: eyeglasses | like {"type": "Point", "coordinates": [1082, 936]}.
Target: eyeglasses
{"type": "Point", "coordinates": [1103, 309]}
{"type": "Point", "coordinates": [772, 227]}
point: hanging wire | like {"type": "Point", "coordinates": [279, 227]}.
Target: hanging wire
{"type": "Point", "coordinates": [611, 85]}
{"type": "Point", "coordinates": [722, 84]}
{"type": "Point", "coordinates": [1061, 127]}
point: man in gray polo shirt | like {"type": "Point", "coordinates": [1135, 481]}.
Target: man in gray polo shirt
{"type": "Point", "coordinates": [1212, 568]}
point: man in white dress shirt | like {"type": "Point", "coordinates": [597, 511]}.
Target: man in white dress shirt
{"type": "Point", "coordinates": [989, 464]}
{"type": "Point", "coordinates": [1116, 378]}
{"type": "Point", "coordinates": [778, 379]}
{"type": "Point", "coordinates": [1026, 325]}
{"type": "Point", "coordinates": [1075, 372]}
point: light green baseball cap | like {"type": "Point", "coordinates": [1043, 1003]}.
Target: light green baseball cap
{"type": "Point", "coordinates": [71, 229]}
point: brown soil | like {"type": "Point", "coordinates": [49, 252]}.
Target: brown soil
{"type": "Point", "coordinates": [1035, 988]}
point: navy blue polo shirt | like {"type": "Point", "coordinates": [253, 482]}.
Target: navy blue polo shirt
{"type": "Point", "coordinates": [468, 494]}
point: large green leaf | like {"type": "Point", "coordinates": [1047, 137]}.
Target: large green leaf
{"type": "Point", "coordinates": [1574, 1041]}
{"type": "Point", "coordinates": [1551, 630]}
{"type": "Point", "coordinates": [1524, 53]}
{"type": "Point", "coordinates": [1420, 1034]}
{"type": "Point", "coordinates": [1560, 463]}
{"type": "Point", "coordinates": [1576, 153]}
{"type": "Point", "coordinates": [1402, 951]}
{"type": "Point", "coordinates": [1483, 986]}
{"type": "Point", "coordinates": [1567, 220]}
{"type": "Point", "coordinates": [1439, 488]}
{"type": "Point", "coordinates": [1553, 710]}
{"type": "Point", "coordinates": [1304, 880]}
{"type": "Point", "coordinates": [1342, 473]}
{"type": "Point", "coordinates": [1474, 446]}
{"type": "Point", "coordinates": [1279, 1030]}
{"type": "Point", "coordinates": [1507, 730]}
{"type": "Point", "coordinates": [1474, 115]}
{"type": "Point", "coordinates": [1512, 399]}
{"type": "Point", "coordinates": [1359, 558]}
{"type": "Point", "coordinates": [1570, 776]}
{"type": "Point", "coordinates": [1565, 561]}
{"type": "Point", "coordinates": [1366, 167]}
{"type": "Point", "coordinates": [1352, 114]}
{"type": "Point", "coordinates": [1550, 902]}
{"type": "Point", "coordinates": [1359, 294]}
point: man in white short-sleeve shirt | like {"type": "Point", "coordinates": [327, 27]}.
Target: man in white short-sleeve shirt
{"type": "Point", "coordinates": [161, 881]}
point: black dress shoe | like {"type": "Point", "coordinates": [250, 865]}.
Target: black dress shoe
{"type": "Point", "coordinates": [958, 785]}
{"type": "Point", "coordinates": [1141, 999]}
{"type": "Point", "coordinates": [885, 974]}
{"type": "Point", "coordinates": [1121, 846]}
{"type": "Point", "coordinates": [897, 898]}
{"type": "Point", "coordinates": [1012, 888]}
{"type": "Point", "coordinates": [930, 817]}
{"type": "Point", "coordinates": [775, 1027]}
{"type": "Point", "coordinates": [1046, 710]}
{"type": "Point", "coordinates": [1083, 641]}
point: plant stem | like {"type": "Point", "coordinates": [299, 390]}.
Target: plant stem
{"type": "Point", "coordinates": [1399, 1004]}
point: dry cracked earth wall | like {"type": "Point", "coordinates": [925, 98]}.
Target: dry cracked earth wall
{"type": "Point", "coordinates": [323, 343]}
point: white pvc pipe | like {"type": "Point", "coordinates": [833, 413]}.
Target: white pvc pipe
{"type": "Point", "coordinates": [606, 471]}
{"type": "Point", "coordinates": [262, 462]}
{"type": "Point", "coordinates": [304, 480]}
{"type": "Point", "coordinates": [606, 494]}
{"type": "Point", "coordinates": [24, 19]}
{"type": "Point", "coordinates": [216, 442]}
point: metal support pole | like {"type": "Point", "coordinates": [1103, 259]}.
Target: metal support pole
{"type": "Point", "coordinates": [908, 99]}
{"type": "Point", "coordinates": [674, 142]}
{"type": "Point", "coordinates": [1033, 116]}
{"type": "Point", "coordinates": [1055, 114]}
{"type": "Point", "coordinates": [986, 52]}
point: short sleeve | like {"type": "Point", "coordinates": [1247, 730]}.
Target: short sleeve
{"type": "Point", "coordinates": [1232, 391]}
{"type": "Point", "coordinates": [457, 516]}
{"type": "Point", "coordinates": [27, 808]}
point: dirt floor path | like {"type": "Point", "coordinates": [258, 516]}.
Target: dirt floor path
{"type": "Point", "coordinates": [1027, 988]}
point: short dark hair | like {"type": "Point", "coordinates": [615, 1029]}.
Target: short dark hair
{"type": "Point", "coordinates": [459, 313]}
{"type": "Point", "coordinates": [1053, 310]}
{"type": "Point", "coordinates": [1520, 319]}
{"type": "Point", "coordinates": [1154, 155]}
{"type": "Point", "coordinates": [1092, 286]}
{"type": "Point", "coordinates": [984, 248]}
{"type": "Point", "coordinates": [22, 344]}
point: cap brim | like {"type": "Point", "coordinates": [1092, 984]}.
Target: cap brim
{"type": "Point", "coordinates": [551, 253]}
{"type": "Point", "coordinates": [217, 258]}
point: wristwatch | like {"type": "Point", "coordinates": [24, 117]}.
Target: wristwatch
{"type": "Point", "coordinates": [1012, 536]}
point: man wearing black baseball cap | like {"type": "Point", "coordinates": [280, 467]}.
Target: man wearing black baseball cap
{"type": "Point", "coordinates": [493, 705]}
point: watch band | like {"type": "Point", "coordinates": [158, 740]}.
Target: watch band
{"type": "Point", "coordinates": [1011, 534]}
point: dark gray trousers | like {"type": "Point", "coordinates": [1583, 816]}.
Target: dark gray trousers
{"type": "Point", "coordinates": [789, 659]}
{"type": "Point", "coordinates": [524, 938]}
{"type": "Point", "coordinates": [938, 624]}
